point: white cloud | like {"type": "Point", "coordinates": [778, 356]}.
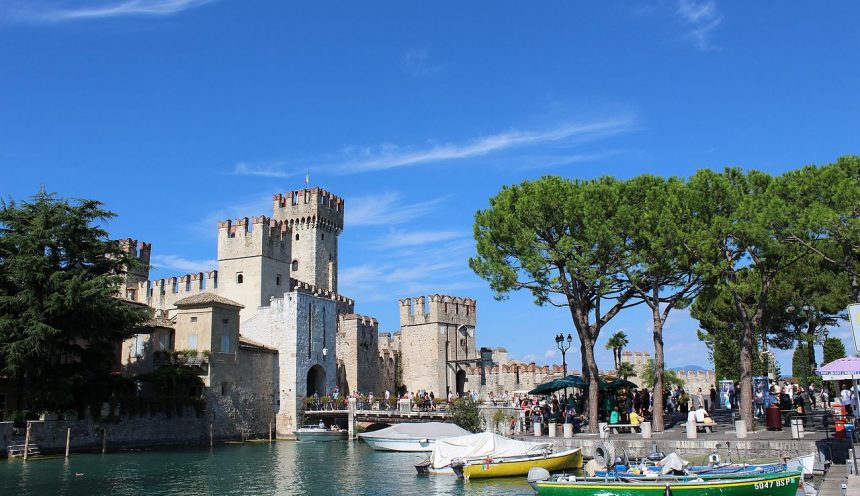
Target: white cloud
{"type": "Point", "coordinates": [529, 358]}
{"type": "Point", "coordinates": [418, 62]}
{"type": "Point", "coordinates": [273, 170]}
{"type": "Point", "coordinates": [398, 239]}
{"type": "Point", "coordinates": [701, 17]}
{"type": "Point", "coordinates": [549, 354]}
{"type": "Point", "coordinates": [251, 205]}
{"type": "Point", "coordinates": [385, 209]}
{"type": "Point", "coordinates": [71, 11]}
{"type": "Point", "coordinates": [389, 156]}
{"type": "Point", "coordinates": [182, 264]}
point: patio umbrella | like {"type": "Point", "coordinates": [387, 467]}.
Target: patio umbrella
{"type": "Point", "coordinates": [571, 381]}
{"type": "Point", "coordinates": [621, 384]}
{"type": "Point", "coordinates": [842, 369]}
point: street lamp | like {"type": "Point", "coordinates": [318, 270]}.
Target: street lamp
{"type": "Point", "coordinates": [559, 341]}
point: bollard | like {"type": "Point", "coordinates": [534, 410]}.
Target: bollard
{"type": "Point", "coordinates": [104, 440]}
{"type": "Point", "coordinates": [68, 438]}
{"type": "Point", "coordinates": [351, 418]}
{"type": "Point", "coordinates": [567, 430]}
{"type": "Point", "coordinates": [645, 427]}
{"type": "Point", "coordinates": [537, 428]}
{"type": "Point", "coordinates": [270, 432]}
{"type": "Point", "coordinates": [603, 430]}
{"type": "Point", "coordinates": [210, 434]}
{"type": "Point", "coordinates": [796, 432]}
{"type": "Point", "coordinates": [692, 433]}
{"type": "Point", "coordinates": [551, 430]}
{"type": "Point", "coordinates": [740, 429]}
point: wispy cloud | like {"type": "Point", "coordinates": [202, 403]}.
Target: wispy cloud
{"type": "Point", "coordinates": [253, 204]}
{"type": "Point", "coordinates": [418, 62]}
{"type": "Point", "coordinates": [272, 170]}
{"type": "Point", "coordinates": [385, 209]}
{"type": "Point", "coordinates": [702, 18]}
{"type": "Point", "coordinates": [550, 354]}
{"type": "Point", "coordinates": [182, 264]}
{"type": "Point", "coordinates": [399, 239]}
{"type": "Point", "coordinates": [390, 156]}
{"type": "Point", "coordinates": [39, 11]}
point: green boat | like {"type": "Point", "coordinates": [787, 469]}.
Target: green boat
{"type": "Point", "coordinates": [776, 484]}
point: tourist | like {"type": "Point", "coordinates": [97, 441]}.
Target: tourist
{"type": "Point", "coordinates": [812, 396]}
{"type": "Point", "coordinates": [614, 417]}
{"type": "Point", "coordinates": [491, 398]}
{"type": "Point", "coordinates": [387, 396]}
{"type": "Point", "coordinates": [825, 396]}
{"type": "Point", "coordinates": [759, 402]}
{"type": "Point", "coordinates": [713, 397]}
{"type": "Point", "coordinates": [845, 396]}
{"type": "Point", "coordinates": [697, 399]}
{"type": "Point", "coordinates": [633, 419]}
{"type": "Point", "coordinates": [732, 397]}
{"type": "Point", "coordinates": [701, 414]}
{"type": "Point", "coordinates": [370, 400]}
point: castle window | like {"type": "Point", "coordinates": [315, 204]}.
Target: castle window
{"type": "Point", "coordinates": [225, 321]}
{"type": "Point", "coordinates": [193, 319]}
{"type": "Point", "coordinates": [297, 236]}
{"type": "Point", "coordinates": [192, 341]}
{"type": "Point", "coordinates": [130, 294]}
{"type": "Point", "coordinates": [223, 388]}
{"type": "Point", "coordinates": [225, 344]}
{"type": "Point", "coordinates": [188, 284]}
{"type": "Point", "coordinates": [322, 235]}
{"type": "Point", "coordinates": [295, 197]}
{"type": "Point", "coordinates": [239, 278]}
{"type": "Point", "coordinates": [278, 280]}
{"type": "Point", "coordinates": [137, 345]}
{"type": "Point", "coordinates": [295, 265]}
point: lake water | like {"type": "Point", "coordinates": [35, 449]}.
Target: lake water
{"type": "Point", "coordinates": [282, 468]}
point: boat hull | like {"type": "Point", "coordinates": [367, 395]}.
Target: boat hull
{"type": "Point", "coordinates": [566, 460]}
{"type": "Point", "coordinates": [407, 445]}
{"type": "Point", "coordinates": [772, 485]}
{"type": "Point", "coordinates": [320, 435]}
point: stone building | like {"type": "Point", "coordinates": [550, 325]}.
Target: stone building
{"type": "Point", "coordinates": [279, 275]}
{"type": "Point", "coordinates": [693, 379]}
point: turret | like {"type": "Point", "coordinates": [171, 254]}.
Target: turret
{"type": "Point", "coordinates": [315, 219]}
{"type": "Point", "coordinates": [138, 270]}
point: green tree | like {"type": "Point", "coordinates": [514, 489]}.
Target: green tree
{"type": "Point", "coordinates": [559, 240]}
{"type": "Point", "coordinates": [649, 376]}
{"type": "Point", "coordinates": [60, 320]}
{"type": "Point", "coordinates": [834, 349]}
{"type": "Point", "coordinates": [464, 412]}
{"type": "Point", "coordinates": [664, 237]}
{"type": "Point", "coordinates": [625, 370]}
{"type": "Point", "coordinates": [748, 228]}
{"type": "Point", "coordinates": [616, 343]}
{"type": "Point", "coordinates": [800, 366]}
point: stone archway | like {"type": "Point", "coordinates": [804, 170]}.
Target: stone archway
{"type": "Point", "coordinates": [461, 382]}
{"type": "Point", "coordinates": [316, 381]}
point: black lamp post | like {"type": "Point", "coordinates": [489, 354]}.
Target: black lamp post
{"type": "Point", "coordinates": [559, 341]}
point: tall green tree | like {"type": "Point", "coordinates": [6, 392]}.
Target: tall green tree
{"type": "Point", "coordinates": [827, 199]}
{"type": "Point", "coordinates": [834, 349]}
{"type": "Point", "coordinates": [749, 230]}
{"type": "Point", "coordinates": [649, 376]}
{"type": "Point", "coordinates": [665, 244]}
{"type": "Point", "coordinates": [616, 343]}
{"type": "Point", "coordinates": [800, 367]}
{"type": "Point", "coordinates": [559, 240]}
{"type": "Point", "coordinates": [60, 321]}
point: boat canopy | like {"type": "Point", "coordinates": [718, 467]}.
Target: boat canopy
{"type": "Point", "coordinates": [481, 446]}
{"type": "Point", "coordinates": [423, 430]}
{"type": "Point", "coordinates": [672, 462]}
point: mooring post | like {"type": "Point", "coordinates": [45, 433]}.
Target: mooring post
{"type": "Point", "coordinates": [68, 438]}
{"type": "Point", "coordinates": [270, 431]}
{"type": "Point", "coordinates": [210, 435]}
{"type": "Point", "coordinates": [27, 441]}
{"type": "Point", "coordinates": [351, 418]}
{"type": "Point", "coordinates": [104, 440]}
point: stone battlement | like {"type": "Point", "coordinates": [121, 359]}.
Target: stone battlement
{"type": "Point", "coordinates": [136, 249]}
{"type": "Point", "coordinates": [296, 285]}
{"type": "Point", "coordinates": [261, 236]}
{"type": "Point", "coordinates": [268, 227]}
{"type": "Point", "coordinates": [310, 207]}
{"type": "Point", "coordinates": [438, 308]}
{"type": "Point", "coordinates": [364, 319]}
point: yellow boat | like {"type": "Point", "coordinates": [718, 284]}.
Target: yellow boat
{"type": "Point", "coordinates": [516, 466]}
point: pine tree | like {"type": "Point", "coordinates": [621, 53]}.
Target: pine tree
{"type": "Point", "coordinates": [834, 349]}
{"type": "Point", "coordinates": [60, 320]}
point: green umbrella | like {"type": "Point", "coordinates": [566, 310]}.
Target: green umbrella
{"type": "Point", "coordinates": [571, 381]}
{"type": "Point", "coordinates": [621, 384]}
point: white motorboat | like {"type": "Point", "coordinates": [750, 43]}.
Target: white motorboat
{"type": "Point", "coordinates": [411, 437]}
{"type": "Point", "coordinates": [319, 432]}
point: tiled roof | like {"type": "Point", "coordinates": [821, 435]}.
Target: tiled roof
{"type": "Point", "coordinates": [207, 299]}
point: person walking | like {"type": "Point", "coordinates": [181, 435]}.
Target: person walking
{"type": "Point", "coordinates": [713, 398]}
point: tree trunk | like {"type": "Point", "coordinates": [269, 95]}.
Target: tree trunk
{"type": "Point", "coordinates": [659, 364]}
{"type": "Point", "coordinates": [745, 408]}
{"type": "Point", "coordinates": [593, 378]}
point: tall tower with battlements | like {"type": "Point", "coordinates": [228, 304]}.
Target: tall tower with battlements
{"type": "Point", "coordinates": [437, 334]}
{"type": "Point", "coordinates": [253, 261]}
{"type": "Point", "coordinates": [138, 271]}
{"type": "Point", "coordinates": [315, 220]}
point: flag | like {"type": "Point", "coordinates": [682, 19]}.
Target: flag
{"type": "Point", "coordinates": [308, 178]}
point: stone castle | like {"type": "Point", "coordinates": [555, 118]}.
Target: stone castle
{"type": "Point", "coordinates": [269, 328]}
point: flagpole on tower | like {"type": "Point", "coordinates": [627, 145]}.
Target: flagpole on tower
{"type": "Point", "coordinates": [308, 178]}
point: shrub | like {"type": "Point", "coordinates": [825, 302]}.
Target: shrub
{"type": "Point", "coordinates": [464, 412]}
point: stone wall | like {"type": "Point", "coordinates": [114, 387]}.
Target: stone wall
{"type": "Point", "coordinates": [357, 353]}
{"type": "Point", "coordinates": [693, 379]}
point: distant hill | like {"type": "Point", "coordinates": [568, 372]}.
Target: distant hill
{"type": "Point", "coordinates": [689, 367]}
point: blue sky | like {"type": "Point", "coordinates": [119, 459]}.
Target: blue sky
{"type": "Point", "coordinates": [179, 113]}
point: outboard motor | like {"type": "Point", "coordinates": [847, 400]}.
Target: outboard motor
{"type": "Point", "coordinates": [537, 474]}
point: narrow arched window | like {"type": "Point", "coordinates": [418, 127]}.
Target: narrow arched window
{"type": "Point", "coordinates": [297, 236]}
{"type": "Point", "coordinates": [295, 265]}
{"type": "Point", "coordinates": [240, 278]}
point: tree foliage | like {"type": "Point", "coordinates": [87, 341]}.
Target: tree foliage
{"type": "Point", "coordinates": [616, 343]}
{"type": "Point", "coordinates": [670, 377]}
{"type": "Point", "coordinates": [834, 349]}
{"type": "Point", "coordinates": [60, 322]}
{"type": "Point", "coordinates": [464, 412]}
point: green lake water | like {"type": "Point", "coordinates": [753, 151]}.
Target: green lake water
{"type": "Point", "coordinates": [282, 468]}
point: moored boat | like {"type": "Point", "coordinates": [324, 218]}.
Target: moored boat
{"type": "Point", "coordinates": [411, 437]}
{"type": "Point", "coordinates": [519, 465]}
{"type": "Point", "coordinates": [774, 484]}
{"type": "Point", "coordinates": [319, 432]}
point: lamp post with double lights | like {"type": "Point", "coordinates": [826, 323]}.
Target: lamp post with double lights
{"type": "Point", "coordinates": [560, 342]}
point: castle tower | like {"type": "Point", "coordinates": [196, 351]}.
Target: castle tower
{"type": "Point", "coordinates": [137, 273]}
{"type": "Point", "coordinates": [315, 219]}
{"type": "Point", "coordinates": [441, 330]}
{"type": "Point", "coordinates": [253, 262]}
